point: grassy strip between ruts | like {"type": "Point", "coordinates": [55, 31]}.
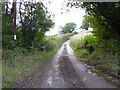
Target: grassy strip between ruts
{"type": "Point", "coordinates": [20, 63]}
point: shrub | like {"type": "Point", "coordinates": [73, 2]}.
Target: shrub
{"type": "Point", "coordinates": [7, 41]}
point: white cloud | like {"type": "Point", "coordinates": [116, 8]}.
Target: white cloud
{"type": "Point", "coordinates": [75, 15]}
{"type": "Point", "coordinates": [55, 7]}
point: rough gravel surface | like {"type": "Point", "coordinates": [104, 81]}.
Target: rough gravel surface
{"type": "Point", "coordinates": [64, 70]}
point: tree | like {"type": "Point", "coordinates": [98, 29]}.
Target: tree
{"type": "Point", "coordinates": [85, 24]}
{"type": "Point", "coordinates": [34, 23]}
{"type": "Point", "coordinates": [106, 13]}
{"type": "Point", "coordinates": [68, 28]}
{"type": "Point", "coordinates": [7, 25]}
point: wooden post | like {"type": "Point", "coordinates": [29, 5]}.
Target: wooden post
{"type": "Point", "coordinates": [14, 31]}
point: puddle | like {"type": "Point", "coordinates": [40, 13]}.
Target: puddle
{"type": "Point", "coordinates": [56, 66]}
{"type": "Point", "coordinates": [49, 80]}
{"type": "Point", "coordinates": [57, 73]}
{"type": "Point", "coordinates": [84, 78]}
{"type": "Point", "coordinates": [94, 74]}
{"type": "Point", "coordinates": [56, 69]}
{"type": "Point", "coordinates": [57, 78]}
{"type": "Point", "coordinates": [107, 78]}
{"type": "Point", "coordinates": [89, 71]}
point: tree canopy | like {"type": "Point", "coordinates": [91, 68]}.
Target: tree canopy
{"type": "Point", "coordinates": [68, 28]}
{"type": "Point", "coordinates": [85, 24]}
{"type": "Point", "coordinates": [33, 20]}
{"type": "Point", "coordinates": [106, 14]}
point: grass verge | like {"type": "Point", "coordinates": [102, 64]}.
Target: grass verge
{"type": "Point", "coordinates": [20, 63]}
{"type": "Point", "coordinates": [101, 59]}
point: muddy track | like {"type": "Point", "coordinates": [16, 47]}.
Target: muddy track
{"type": "Point", "coordinates": [64, 70]}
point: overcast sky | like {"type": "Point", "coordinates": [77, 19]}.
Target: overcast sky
{"type": "Point", "coordinates": [60, 19]}
{"type": "Point", "coordinates": [75, 15]}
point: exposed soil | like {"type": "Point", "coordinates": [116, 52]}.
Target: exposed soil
{"type": "Point", "coordinates": [64, 70]}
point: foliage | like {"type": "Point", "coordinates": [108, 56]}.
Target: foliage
{"type": "Point", "coordinates": [7, 25]}
{"type": "Point", "coordinates": [106, 14]}
{"type": "Point", "coordinates": [87, 43]}
{"type": "Point", "coordinates": [90, 40]}
{"type": "Point", "coordinates": [98, 30]}
{"type": "Point", "coordinates": [33, 22]}
{"type": "Point", "coordinates": [20, 62]}
{"type": "Point", "coordinates": [104, 18]}
{"type": "Point", "coordinates": [62, 38]}
{"type": "Point", "coordinates": [68, 28]}
{"type": "Point", "coordinates": [33, 47]}
{"type": "Point", "coordinates": [85, 24]}
{"type": "Point", "coordinates": [104, 55]}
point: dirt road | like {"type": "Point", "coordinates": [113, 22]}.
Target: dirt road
{"type": "Point", "coordinates": [64, 70]}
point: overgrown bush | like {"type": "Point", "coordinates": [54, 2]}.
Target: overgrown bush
{"type": "Point", "coordinates": [20, 62]}
{"type": "Point", "coordinates": [104, 55]}
{"type": "Point", "coordinates": [7, 41]}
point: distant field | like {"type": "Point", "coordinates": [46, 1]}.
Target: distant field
{"type": "Point", "coordinates": [81, 34]}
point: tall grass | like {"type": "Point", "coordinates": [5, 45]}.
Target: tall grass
{"type": "Point", "coordinates": [20, 63]}
{"type": "Point", "coordinates": [16, 64]}
{"type": "Point", "coordinates": [104, 56]}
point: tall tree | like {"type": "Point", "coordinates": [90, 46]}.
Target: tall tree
{"type": "Point", "coordinates": [85, 24]}
{"type": "Point", "coordinates": [7, 25]}
{"type": "Point", "coordinates": [68, 28]}
{"type": "Point", "coordinates": [106, 13]}
{"type": "Point", "coordinates": [34, 23]}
